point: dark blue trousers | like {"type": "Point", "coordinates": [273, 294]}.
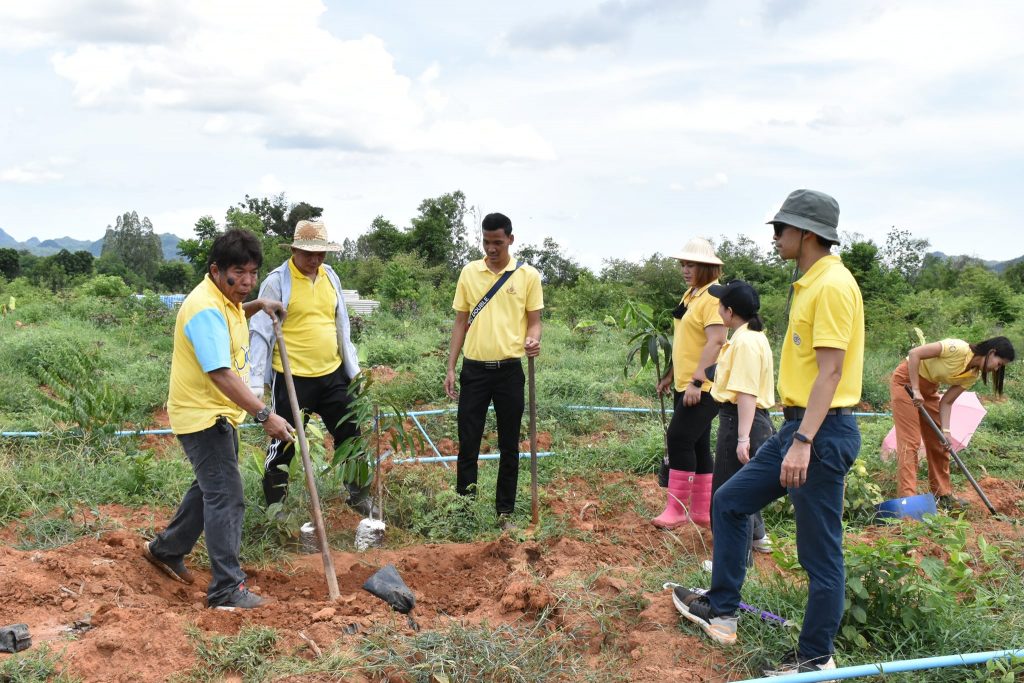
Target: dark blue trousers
{"type": "Point", "coordinates": [818, 506]}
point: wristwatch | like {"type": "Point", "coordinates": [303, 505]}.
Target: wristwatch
{"type": "Point", "coordinates": [262, 414]}
{"type": "Point", "coordinates": [697, 382]}
{"type": "Point", "coordinates": [800, 437]}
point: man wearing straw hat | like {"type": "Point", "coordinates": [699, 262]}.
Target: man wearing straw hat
{"type": "Point", "coordinates": [320, 351]}
{"type": "Point", "coordinates": [808, 459]}
{"type": "Point", "coordinates": [497, 321]}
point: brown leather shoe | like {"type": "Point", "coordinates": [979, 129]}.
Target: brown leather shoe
{"type": "Point", "coordinates": [174, 569]}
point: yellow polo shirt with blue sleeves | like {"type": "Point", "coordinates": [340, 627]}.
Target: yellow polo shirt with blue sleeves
{"type": "Point", "coordinates": [499, 330]}
{"type": "Point", "coordinates": [688, 337]}
{"type": "Point", "coordinates": [745, 366]}
{"type": "Point", "coordinates": [210, 333]}
{"type": "Point", "coordinates": [950, 367]}
{"type": "Point", "coordinates": [310, 331]}
{"type": "Point", "coordinates": [827, 311]}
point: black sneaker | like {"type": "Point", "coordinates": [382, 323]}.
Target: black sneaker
{"type": "Point", "coordinates": [175, 569]}
{"type": "Point", "coordinates": [505, 521]}
{"type": "Point", "coordinates": [952, 503]}
{"type": "Point", "coordinates": [721, 628]}
{"type": "Point", "coordinates": [791, 664]}
{"type": "Point", "coordinates": [241, 598]}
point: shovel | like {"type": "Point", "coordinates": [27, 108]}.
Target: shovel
{"type": "Point", "coordinates": [533, 440]}
{"type": "Point", "coordinates": [949, 447]}
{"type": "Point", "coordinates": [307, 465]}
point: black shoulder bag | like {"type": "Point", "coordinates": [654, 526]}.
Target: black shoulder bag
{"type": "Point", "coordinates": [490, 294]}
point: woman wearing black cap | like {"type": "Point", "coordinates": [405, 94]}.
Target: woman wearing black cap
{"type": "Point", "coordinates": [744, 389]}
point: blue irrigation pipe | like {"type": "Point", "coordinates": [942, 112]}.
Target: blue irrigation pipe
{"type": "Point", "coordinates": [884, 668]}
{"type": "Point", "coordinates": [412, 413]}
{"type": "Point", "coordinates": [426, 436]}
{"type": "Point", "coordinates": [453, 458]}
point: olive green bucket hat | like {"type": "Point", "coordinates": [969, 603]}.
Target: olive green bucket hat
{"type": "Point", "coordinates": [810, 210]}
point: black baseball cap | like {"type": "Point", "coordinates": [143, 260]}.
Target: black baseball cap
{"type": "Point", "coordinates": [739, 296]}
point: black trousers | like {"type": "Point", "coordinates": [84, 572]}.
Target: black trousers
{"type": "Point", "coordinates": [726, 462]}
{"type": "Point", "coordinates": [327, 396]}
{"type": "Point", "coordinates": [478, 387]}
{"type": "Point", "coordinates": [689, 434]}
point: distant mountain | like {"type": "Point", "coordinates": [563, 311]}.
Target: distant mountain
{"type": "Point", "coordinates": [168, 242]}
{"type": "Point", "coordinates": [995, 266]}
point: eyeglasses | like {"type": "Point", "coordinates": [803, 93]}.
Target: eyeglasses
{"type": "Point", "coordinates": [779, 229]}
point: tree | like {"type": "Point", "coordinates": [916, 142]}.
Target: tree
{"type": "Point", "coordinates": [277, 217]}
{"type": "Point", "coordinates": [744, 260]}
{"type": "Point", "coordinates": [196, 251]}
{"type": "Point", "coordinates": [10, 263]}
{"type": "Point", "coordinates": [1014, 276]}
{"type": "Point", "coordinates": [439, 232]}
{"type": "Point", "coordinates": [174, 276]}
{"type": "Point", "coordinates": [875, 282]}
{"type": "Point", "coordinates": [78, 263]}
{"type": "Point", "coordinates": [135, 243]}
{"type": "Point", "coordinates": [383, 240]}
{"type": "Point", "coordinates": [555, 267]}
{"type": "Point", "coordinates": [904, 253]}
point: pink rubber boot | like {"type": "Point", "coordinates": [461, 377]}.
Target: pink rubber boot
{"type": "Point", "coordinates": [700, 510]}
{"type": "Point", "coordinates": [679, 486]}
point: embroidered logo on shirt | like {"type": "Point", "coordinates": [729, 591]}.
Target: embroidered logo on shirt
{"type": "Point", "coordinates": [512, 289]}
{"type": "Point", "coordinates": [796, 339]}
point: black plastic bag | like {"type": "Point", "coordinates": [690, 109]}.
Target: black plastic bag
{"type": "Point", "coordinates": [387, 585]}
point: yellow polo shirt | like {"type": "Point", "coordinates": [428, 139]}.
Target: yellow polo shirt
{"type": "Point", "coordinates": [210, 333]}
{"type": "Point", "coordinates": [950, 367]}
{"type": "Point", "coordinates": [745, 366]}
{"type": "Point", "coordinates": [688, 338]}
{"type": "Point", "coordinates": [499, 330]}
{"type": "Point", "coordinates": [827, 312]}
{"type": "Point", "coordinates": [310, 330]}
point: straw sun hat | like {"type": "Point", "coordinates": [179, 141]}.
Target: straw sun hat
{"type": "Point", "coordinates": [312, 236]}
{"type": "Point", "coordinates": [698, 250]}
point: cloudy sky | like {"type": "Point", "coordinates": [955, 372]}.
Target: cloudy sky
{"type": "Point", "coordinates": [618, 127]}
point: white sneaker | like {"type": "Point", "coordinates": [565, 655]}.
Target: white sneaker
{"type": "Point", "coordinates": [792, 665]}
{"type": "Point", "coordinates": [762, 545]}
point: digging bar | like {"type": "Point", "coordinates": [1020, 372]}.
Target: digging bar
{"type": "Point", "coordinates": [307, 465]}
{"type": "Point", "coordinates": [533, 439]}
{"type": "Point", "coordinates": [949, 447]}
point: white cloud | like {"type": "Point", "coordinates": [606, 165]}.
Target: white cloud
{"type": "Point", "coordinates": [271, 62]}
{"type": "Point", "coordinates": [36, 171]}
{"type": "Point", "coordinates": [711, 182]}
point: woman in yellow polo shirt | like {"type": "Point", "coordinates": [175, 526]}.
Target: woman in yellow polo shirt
{"type": "Point", "coordinates": [957, 364]}
{"type": "Point", "coordinates": [744, 389]}
{"type": "Point", "coordinates": [698, 336]}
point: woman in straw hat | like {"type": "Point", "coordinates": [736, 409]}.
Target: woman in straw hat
{"type": "Point", "coordinates": [699, 334]}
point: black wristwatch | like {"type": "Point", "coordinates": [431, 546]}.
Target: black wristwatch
{"type": "Point", "coordinates": [262, 415]}
{"type": "Point", "coordinates": [800, 437]}
{"type": "Point", "coordinates": [697, 382]}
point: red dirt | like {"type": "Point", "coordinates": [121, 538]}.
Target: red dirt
{"type": "Point", "coordinates": [139, 616]}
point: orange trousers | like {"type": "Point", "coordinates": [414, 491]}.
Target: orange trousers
{"type": "Point", "coordinates": [910, 428]}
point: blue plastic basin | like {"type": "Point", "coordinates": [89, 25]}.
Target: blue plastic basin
{"type": "Point", "coordinates": [914, 507]}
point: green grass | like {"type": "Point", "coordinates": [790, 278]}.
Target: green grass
{"type": "Point", "coordinates": [38, 665]}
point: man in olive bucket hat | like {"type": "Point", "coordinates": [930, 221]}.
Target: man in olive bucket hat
{"type": "Point", "coordinates": [819, 385]}
{"type": "Point", "coordinates": [320, 352]}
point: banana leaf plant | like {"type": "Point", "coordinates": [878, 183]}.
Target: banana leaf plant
{"type": "Point", "coordinates": [650, 345]}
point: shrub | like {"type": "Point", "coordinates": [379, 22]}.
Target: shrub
{"type": "Point", "coordinates": [108, 286]}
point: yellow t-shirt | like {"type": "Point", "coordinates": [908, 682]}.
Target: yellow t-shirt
{"type": "Point", "coordinates": [950, 367]}
{"type": "Point", "coordinates": [688, 337]}
{"type": "Point", "coordinates": [499, 330]}
{"type": "Point", "coordinates": [310, 330]}
{"type": "Point", "coordinates": [745, 366]}
{"type": "Point", "coordinates": [210, 333]}
{"type": "Point", "coordinates": [827, 312]}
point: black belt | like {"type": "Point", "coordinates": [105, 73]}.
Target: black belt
{"type": "Point", "coordinates": [795, 413]}
{"type": "Point", "coordinates": [733, 409]}
{"type": "Point", "coordinates": [492, 364]}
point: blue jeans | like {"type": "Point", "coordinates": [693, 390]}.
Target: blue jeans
{"type": "Point", "coordinates": [818, 506]}
{"type": "Point", "coordinates": [214, 504]}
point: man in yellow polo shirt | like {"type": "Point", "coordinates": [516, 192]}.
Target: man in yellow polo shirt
{"type": "Point", "coordinates": [321, 355]}
{"type": "Point", "coordinates": [819, 385]}
{"type": "Point", "coordinates": [493, 329]}
{"type": "Point", "coordinates": [208, 399]}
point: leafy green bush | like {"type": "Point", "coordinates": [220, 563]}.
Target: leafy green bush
{"type": "Point", "coordinates": [108, 286]}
